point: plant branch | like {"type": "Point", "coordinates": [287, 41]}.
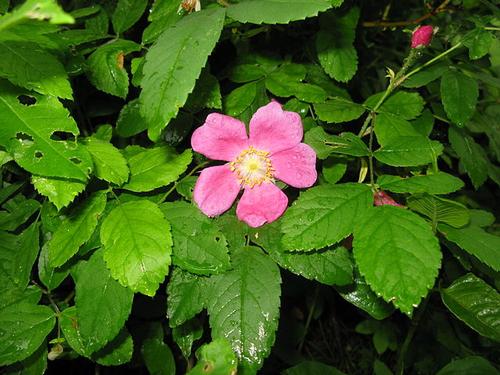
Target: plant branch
{"type": "Point", "coordinates": [169, 191]}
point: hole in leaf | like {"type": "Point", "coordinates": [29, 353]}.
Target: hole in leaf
{"type": "Point", "coordinates": [38, 154]}
{"type": "Point", "coordinates": [207, 367]}
{"type": "Point", "coordinates": [62, 136]}
{"type": "Point", "coordinates": [26, 100]}
{"type": "Point", "coordinates": [24, 137]}
{"type": "Point", "coordinates": [217, 239]}
{"type": "Point", "coordinates": [75, 160]}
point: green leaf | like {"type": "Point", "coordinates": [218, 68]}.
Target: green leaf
{"type": "Point", "coordinates": [334, 45]}
{"type": "Point", "coordinates": [312, 368]}
{"type": "Point", "coordinates": [337, 110]}
{"type": "Point", "coordinates": [216, 358]}
{"type": "Point", "coordinates": [206, 93]}
{"type": "Point", "coordinates": [106, 70]}
{"type": "Point", "coordinates": [409, 151]}
{"type": "Point", "coordinates": [137, 245]}
{"type": "Point", "coordinates": [405, 105]}
{"type": "Point", "coordinates": [26, 64]}
{"type": "Point", "coordinates": [459, 95]}
{"type": "Point", "coordinates": [480, 218]}
{"type": "Point", "coordinates": [17, 211]}
{"type": "Point", "coordinates": [30, 135]}
{"type": "Point", "coordinates": [35, 364]}
{"type": "Point", "coordinates": [324, 215]}
{"type": "Point", "coordinates": [102, 304]}
{"type": "Point", "coordinates": [437, 183]}
{"type": "Point", "coordinates": [471, 365]}
{"type": "Point", "coordinates": [23, 328]}
{"type": "Point", "coordinates": [158, 357]}
{"type": "Point", "coordinates": [26, 254]}
{"type": "Point", "coordinates": [51, 277]}
{"type": "Point", "coordinates": [439, 209]}
{"type": "Point", "coordinates": [475, 303]}
{"type": "Point", "coordinates": [425, 76]}
{"type": "Point", "coordinates": [117, 352]}
{"type": "Point", "coordinates": [244, 304]}
{"type": "Point", "coordinates": [36, 10]}
{"type": "Point", "coordinates": [324, 144]}
{"type": "Point", "coordinates": [174, 63]}
{"type": "Point", "coordinates": [199, 245]}
{"type": "Point", "coordinates": [478, 42]}
{"type": "Point", "coordinates": [59, 192]}
{"type": "Point", "coordinates": [471, 155]}
{"type": "Point", "coordinates": [162, 15]}
{"type": "Point", "coordinates": [130, 121]}
{"type": "Point", "coordinates": [186, 334]}
{"type": "Point", "coordinates": [127, 13]}
{"type": "Point", "coordinates": [389, 127]}
{"type": "Point", "coordinates": [243, 73]}
{"type": "Point", "coordinates": [76, 229]}
{"type": "Point", "coordinates": [110, 165]}
{"type": "Point", "coordinates": [71, 331]}
{"type": "Point", "coordinates": [11, 296]}
{"type": "Point", "coordinates": [8, 242]}
{"type": "Point", "coordinates": [186, 296]}
{"type": "Point", "coordinates": [361, 296]}
{"type": "Point", "coordinates": [155, 167]}
{"type": "Point", "coordinates": [331, 266]}
{"type": "Point", "coordinates": [240, 99]}
{"type": "Point", "coordinates": [411, 255]}
{"type": "Point", "coordinates": [474, 240]}
{"type": "Point", "coordinates": [333, 170]}
{"type": "Point", "coordinates": [276, 11]}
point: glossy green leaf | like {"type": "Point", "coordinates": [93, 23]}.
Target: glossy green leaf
{"type": "Point", "coordinates": [481, 218]}
{"type": "Point", "coordinates": [60, 192]}
{"type": "Point", "coordinates": [35, 364]}
{"type": "Point", "coordinates": [23, 328]}
{"type": "Point", "coordinates": [17, 211]}
{"type": "Point", "coordinates": [389, 127]}
{"type": "Point", "coordinates": [243, 73]}
{"type": "Point", "coordinates": [459, 95]}
{"type": "Point", "coordinates": [276, 11]}
{"type": "Point", "coordinates": [411, 255]}
{"type": "Point", "coordinates": [26, 64]}
{"type": "Point", "coordinates": [127, 13]}
{"type": "Point", "coordinates": [405, 105]}
{"type": "Point", "coordinates": [424, 123]}
{"type": "Point", "coordinates": [425, 76]}
{"type": "Point", "coordinates": [51, 277]}
{"type": "Point", "coordinates": [243, 306]}
{"type": "Point", "coordinates": [155, 167]}
{"type": "Point", "coordinates": [240, 99]}
{"type": "Point", "coordinates": [30, 134]}
{"type": "Point", "coordinates": [325, 144]}
{"type": "Point", "coordinates": [333, 171]}
{"type": "Point", "coordinates": [110, 165]}
{"type": "Point", "coordinates": [103, 305]}
{"type": "Point", "coordinates": [476, 303]}
{"type": "Point", "coordinates": [337, 110]}
{"type": "Point", "coordinates": [437, 183]}
{"type": "Point", "coordinates": [439, 209]}
{"type": "Point", "coordinates": [162, 15]}
{"type": "Point", "coordinates": [186, 334]}
{"type": "Point", "coordinates": [106, 70]}
{"type": "Point", "coordinates": [174, 63]}
{"type": "Point", "coordinates": [409, 151]}
{"type": "Point", "coordinates": [117, 352]}
{"type": "Point", "coordinates": [477, 242]}
{"type": "Point", "coordinates": [199, 245]}
{"type": "Point", "coordinates": [472, 365]}
{"type": "Point", "coordinates": [478, 42]}
{"type": "Point", "coordinates": [11, 296]}
{"type": "Point", "coordinates": [186, 296]}
{"type": "Point", "coordinates": [216, 358]}
{"type": "Point", "coordinates": [137, 245]}
{"type": "Point", "coordinates": [36, 10]}
{"type": "Point", "coordinates": [76, 229]}
{"type": "Point", "coordinates": [324, 215]}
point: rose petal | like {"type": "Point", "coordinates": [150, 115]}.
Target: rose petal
{"type": "Point", "coordinates": [274, 130]}
{"type": "Point", "coordinates": [221, 137]}
{"type": "Point", "coordinates": [215, 190]}
{"type": "Point", "coordinates": [296, 166]}
{"type": "Point", "coordinates": [261, 204]}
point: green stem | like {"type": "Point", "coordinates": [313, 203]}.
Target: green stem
{"type": "Point", "coordinates": [433, 60]}
{"type": "Point", "coordinates": [370, 157]}
{"type": "Point", "coordinates": [309, 318]}
{"type": "Point", "coordinates": [169, 191]}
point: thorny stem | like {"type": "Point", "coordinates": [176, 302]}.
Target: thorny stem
{"type": "Point", "coordinates": [169, 191]}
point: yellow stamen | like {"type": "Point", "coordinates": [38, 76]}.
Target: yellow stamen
{"type": "Point", "coordinates": [252, 167]}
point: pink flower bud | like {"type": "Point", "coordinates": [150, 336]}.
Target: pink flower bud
{"type": "Point", "coordinates": [422, 36]}
{"type": "Point", "coordinates": [382, 198]}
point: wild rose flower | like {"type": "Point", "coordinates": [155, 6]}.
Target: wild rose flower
{"type": "Point", "coordinates": [381, 198]}
{"type": "Point", "coordinates": [422, 36]}
{"type": "Point", "coordinates": [273, 150]}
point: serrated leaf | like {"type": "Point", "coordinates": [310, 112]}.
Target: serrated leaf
{"type": "Point", "coordinates": [155, 167]}
{"type": "Point", "coordinates": [163, 14]}
{"type": "Point", "coordinates": [26, 64]}
{"type": "Point", "coordinates": [30, 135]}
{"type": "Point", "coordinates": [186, 296]}
{"type": "Point", "coordinates": [405, 105]}
{"type": "Point", "coordinates": [127, 13]}
{"type": "Point", "coordinates": [475, 303]}
{"type": "Point", "coordinates": [439, 209]}
{"type": "Point", "coordinates": [240, 99]}
{"type": "Point", "coordinates": [425, 76]}
{"type": "Point", "coordinates": [137, 245]}
{"type": "Point", "coordinates": [186, 334]}
{"type": "Point", "coordinates": [11, 296]}
{"type": "Point", "coordinates": [389, 127]}
{"type": "Point", "coordinates": [474, 240]}
{"type": "Point", "coordinates": [110, 165]}
{"type": "Point", "coordinates": [471, 365]}
{"type": "Point", "coordinates": [130, 121]}
{"type": "Point", "coordinates": [199, 245]}
{"type": "Point", "coordinates": [459, 95]}
{"type": "Point", "coordinates": [106, 70]}
{"type": "Point", "coordinates": [217, 356]}
{"type": "Point", "coordinates": [478, 42]}
{"type": "Point", "coordinates": [324, 144]}
{"type": "Point", "coordinates": [36, 10]}
{"type": "Point", "coordinates": [243, 306]}
{"type": "Point", "coordinates": [60, 192]}
{"type": "Point", "coordinates": [324, 215]}
{"type": "Point", "coordinates": [243, 73]}
{"type": "Point", "coordinates": [437, 183]}
{"type": "Point", "coordinates": [17, 211]}
{"type": "Point", "coordinates": [424, 123]}
{"type": "Point", "coordinates": [103, 305]}
{"type": "Point", "coordinates": [174, 63]}
{"type": "Point", "coordinates": [333, 170]}
{"type": "Point", "coordinates": [35, 364]}
{"type": "Point", "coordinates": [117, 352]}
{"type": "Point", "coordinates": [276, 11]}
{"type": "Point", "coordinates": [471, 155]}
{"type": "Point", "coordinates": [76, 229]}
{"type": "Point", "coordinates": [337, 110]}
{"type": "Point", "coordinates": [51, 277]}
{"type": "Point", "coordinates": [23, 328]}
{"type": "Point", "coordinates": [409, 151]}
{"type": "Point", "coordinates": [398, 255]}
{"type": "Point", "coordinates": [206, 93]}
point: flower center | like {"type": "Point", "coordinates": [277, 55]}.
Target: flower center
{"type": "Point", "coordinates": [252, 167]}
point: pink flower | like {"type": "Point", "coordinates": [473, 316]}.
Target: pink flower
{"type": "Point", "coordinates": [381, 198]}
{"type": "Point", "coordinates": [422, 36]}
{"type": "Point", "coordinates": [273, 150]}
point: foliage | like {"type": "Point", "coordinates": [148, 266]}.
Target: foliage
{"type": "Point", "coordinates": [107, 262]}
